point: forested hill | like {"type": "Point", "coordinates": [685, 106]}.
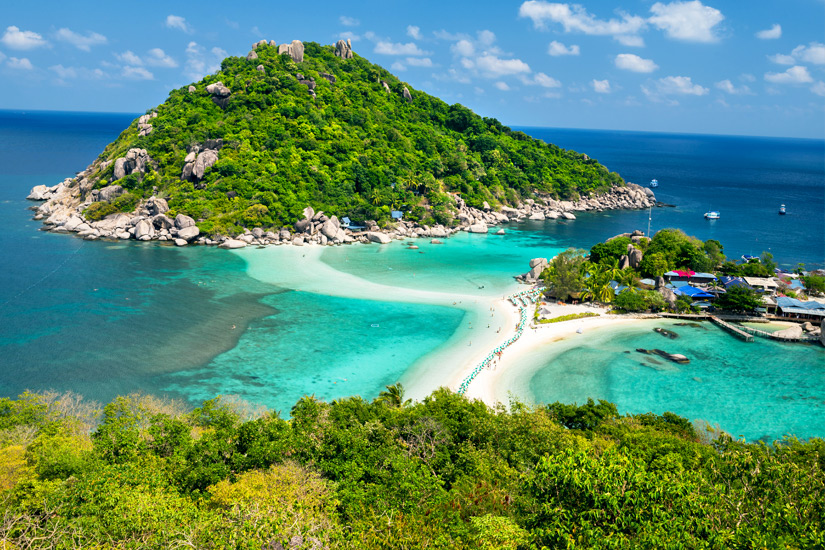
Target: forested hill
{"type": "Point", "coordinates": [271, 133]}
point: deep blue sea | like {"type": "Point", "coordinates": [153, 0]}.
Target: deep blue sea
{"type": "Point", "coordinates": [104, 319]}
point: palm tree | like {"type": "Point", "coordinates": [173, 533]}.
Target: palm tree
{"type": "Point", "coordinates": [627, 277]}
{"type": "Point", "coordinates": [394, 396]}
{"type": "Point", "coordinates": [376, 197]}
{"type": "Point", "coordinates": [597, 285]}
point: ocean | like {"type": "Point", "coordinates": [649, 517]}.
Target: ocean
{"type": "Point", "coordinates": [104, 319]}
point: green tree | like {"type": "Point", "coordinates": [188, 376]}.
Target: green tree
{"type": "Point", "coordinates": [739, 299]}
{"type": "Point", "coordinates": [563, 276]}
{"type": "Point", "coordinates": [597, 283]}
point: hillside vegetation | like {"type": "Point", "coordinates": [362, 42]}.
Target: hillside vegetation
{"type": "Point", "coordinates": [444, 473]}
{"type": "Point", "coordinates": [356, 148]}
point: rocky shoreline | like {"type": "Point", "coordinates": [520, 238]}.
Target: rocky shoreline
{"type": "Point", "coordinates": [63, 206]}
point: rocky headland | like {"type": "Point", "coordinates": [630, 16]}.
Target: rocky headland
{"type": "Point", "coordinates": [63, 207]}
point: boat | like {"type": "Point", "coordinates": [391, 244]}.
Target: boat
{"type": "Point", "coordinates": [782, 210]}
{"type": "Point", "coordinates": [713, 215]}
{"type": "Point", "coordinates": [654, 183]}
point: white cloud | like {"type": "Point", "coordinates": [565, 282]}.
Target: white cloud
{"type": "Point", "coordinates": [393, 48]}
{"type": "Point", "coordinates": [689, 21]}
{"type": "Point", "coordinates": [574, 18]}
{"type": "Point", "coordinates": [349, 21]}
{"type": "Point", "coordinates": [557, 49]}
{"type": "Point", "coordinates": [22, 63]}
{"type": "Point", "coordinates": [158, 58]}
{"type": "Point", "coordinates": [600, 86]}
{"type": "Point", "coordinates": [819, 88]}
{"type": "Point", "coordinates": [414, 32]}
{"type": "Point", "coordinates": [502, 86]}
{"type": "Point", "coordinates": [16, 39]}
{"type": "Point", "coordinates": [398, 66]}
{"type": "Point", "coordinates": [675, 85]}
{"type": "Point", "coordinates": [199, 62]}
{"type": "Point", "coordinates": [495, 66]}
{"type": "Point", "coordinates": [137, 73]}
{"type": "Point", "coordinates": [631, 62]}
{"type": "Point", "coordinates": [727, 86]}
{"type": "Point", "coordinates": [347, 35]}
{"type": "Point", "coordinates": [631, 41]}
{"type": "Point", "coordinates": [795, 75]}
{"type": "Point", "coordinates": [782, 59]}
{"type": "Point", "coordinates": [813, 53]}
{"type": "Point", "coordinates": [770, 34]}
{"type": "Point", "coordinates": [486, 37]}
{"type": "Point", "coordinates": [79, 41]}
{"type": "Point", "coordinates": [178, 22]}
{"type": "Point", "coordinates": [464, 48]}
{"type": "Point", "coordinates": [419, 62]}
{"type": "Point", "coordinates": [747, 77]}
{"type": "Point", "coordinates": [546, 81]}
{"type": "Point", "coordinates": [129, 57]}
{"type": "Point", "coordinates": [64, 72]}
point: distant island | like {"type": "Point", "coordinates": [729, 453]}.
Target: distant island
{"type": "Point", "coordinates": [301, 143]}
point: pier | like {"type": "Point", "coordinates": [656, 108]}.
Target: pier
{"type": "Point", "coordinates": [736, 331]}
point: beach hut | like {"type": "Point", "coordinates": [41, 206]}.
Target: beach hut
{"type": "Point", "coordinates": [762, 283]}
{"type": "Point", "coordinates": [693, 292]}
{"type": "Point", "coordinates": [797, 309]}
{"type": "Point", "coordinates": [679, 275]}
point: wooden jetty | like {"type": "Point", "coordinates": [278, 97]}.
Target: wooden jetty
{"type": "Point", "coordinates": [736, 331]}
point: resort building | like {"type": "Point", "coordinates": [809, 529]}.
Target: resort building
{"type": "Point", "coordinates": [812, 310]}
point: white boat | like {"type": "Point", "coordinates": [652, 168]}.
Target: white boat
{"type": "Point", "coordinates": [782, 209]}
{"type": "Point", "coordinates": [654, 183]}
{"type": "Point", "coordinates": [713, 215]}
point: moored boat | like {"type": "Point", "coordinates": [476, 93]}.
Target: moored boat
{"type": "Point", "coordinates": [782, 210]}
{"type": "Point", "coordinates": [713, 215]}
{"type": "Point", "coordinates": [654, 183]}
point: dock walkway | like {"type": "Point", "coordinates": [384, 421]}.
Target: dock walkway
{"type": "Point", "coordinates": [736, 331]}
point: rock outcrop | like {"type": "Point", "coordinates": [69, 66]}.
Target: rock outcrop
{"type": "Point", "coordinates": [220, 94]}
{"type": "Point", "coordinates": [406, 94]}
{"type": "Point", "coordinates": [295, 49]}
{"type": "Point", "coordinates": [199, 158]}
{"type": "Point", "coordinates": [135, 161]}
{"type": "Point", "coordinates": [144, 128]}
{"type": "Point", "coordinates": [343, 49]}
{"type": "Point", "coordinates": [251, 56]}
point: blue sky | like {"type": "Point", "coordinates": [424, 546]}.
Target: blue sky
{"type": "Point", "coordinates": [700, 66]}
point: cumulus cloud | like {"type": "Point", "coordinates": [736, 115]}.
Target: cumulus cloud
{"type": "Point", "coordinates": [80, 41]}
{"type": "Point", "coordinates": [502, 86]}
{"type": "Point", "coordinates": [178, 22]}
{"type": "Point", "coordinates": [463, 48]}
{"type": "Point", "coordinates": [349, 21]}
{"type": "Point", "coordinates": [200, 62]}
{"type": "Point", "coordinates": [129, 58]}
{"type": "Point", "coordinates": [546, 81]}
{"type": "Point", "coordinates": [137, 73]}
{"type": "Point", "coordinates": [574, 18]}
{"type": "Point", "coordinates": [770, 34]}
{"type": "Point", "coordinates": [631, 41]}
{"type": "Point", "coordinates": [22, 64]}
{"type": "Point", "coordinates": [16, 39]}
{"type": "Point", "coordinates": [394, 48]}
{"type": "Point", "coordinates": [674, 86]}
{"type": "Point", "coordinates": [70, 73]}
{"type": "Point", "coordinates": [631, 62]}
{"type": "Point", "coordinates": [795, 75]}
{"type": "Point", "coordinates": [782, 59]}
{"type": "Point", "coordinates": [812, 53]}
{"type": "Point", "coordinates": [819, 88]}
{"type": "Point", "coordinates": [557, 49]}
{"type": "Point", "coordinates": [398, 66]}
{"type": "Point", "coordinates": [414, 32]}
{"type": "Point", "coordinates": [728, 87]}
{"type": "Point", "coordinates": [689, 21]}
{"type": "Point", "coordinates": [494, 66]}
{"type": "Point", "coordinates": [419, 62]}
{"type": "Point", "coordinates": [64, 72]}
{"type": "Point", "coordinates": [600, 86]}
{"type": "Point", "coordinates": [158, 58]}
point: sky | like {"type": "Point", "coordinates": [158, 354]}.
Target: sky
{"type": "Point", "coordinates": [736, 67]}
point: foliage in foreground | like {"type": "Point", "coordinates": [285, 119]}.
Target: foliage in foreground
{"type": "Point", "coordinates": [358, 149]}
{"type": "Point", "coordinates": [445, 472]}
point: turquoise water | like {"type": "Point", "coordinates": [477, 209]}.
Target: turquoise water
{"type": "Point", "coordinates": [760, 390]}
{"type": "Point", "coordinates": [104, 319]}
